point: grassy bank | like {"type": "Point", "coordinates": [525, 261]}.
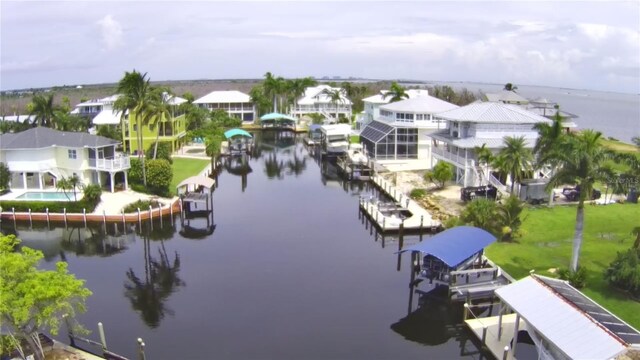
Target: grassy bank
{"type": "Point", "coordinates": [620, 146]}
{"type": "Point", "coordinates": [184, 168]}
{"type": "Point", "coordinates": [547, 240]}
{"type": "Point", "coordinates": [355, 139]}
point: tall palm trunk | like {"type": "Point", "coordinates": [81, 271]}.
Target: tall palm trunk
{"type": "Point", "coordinates": [155, 146]}
{"type": "Point", "coordinates": [37, 354]}
{"type": "Point", "coordinates": [577, 237]}
{"type": "Point", "coordinates": [141, 151]}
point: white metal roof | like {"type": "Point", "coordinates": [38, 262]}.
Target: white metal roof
{"type": "Point", "coordinates": [222, 97]}
{"type": "Point", "coordinates": [313, 95]}
{"type": "Point", "coordinates": [380, 99]}
{"type": "Point", "coordinates": [554, 318]}
{"type": "Point", "coordinates": [492, 112]}
{"type": "Point", "coordinates": [107, 117]}
{"type": "Point", "coordinates": [506, 96]}
{"type": "Point", "coordinates": [424, 104]}
{"type": "Point", "coordinates": [336, 129]}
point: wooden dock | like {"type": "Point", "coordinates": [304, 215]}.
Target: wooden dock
{"type": "Point", "coordinates": [486, 329]}
{"type": "Point", "coordinates": [417, 220]}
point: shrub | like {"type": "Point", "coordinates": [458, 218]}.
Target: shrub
{"type": "Point", "coordinates": [135, 171]}
{"type": "Point", "coordinates": [418, 193]}
{"type": "Point", "coordinates": [577, 279]}
{"type": "Point", "coordinates": [624, 272]}
{"type": "Point", "coordinates": [5, 176]}
{"type": "Point", "coordinates": [440, 174]}
{"type": "Point", "coordinates": [502, 220]}
{"type": "Point", "coordinates": [151, 191]}
{"type": "Point", "coordinates": [164, 151]}
{"type": "Point", "coordinates": [142, 205]}
{"type": "Point", "coordinates": [53, 206]}
{"type": "Point", "coordinates": [92, 193]}
{"type": "Point", "coordinates": [159, 174]}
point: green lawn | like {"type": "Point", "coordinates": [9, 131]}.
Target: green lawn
{"type": "Point", "coordinates": [355, 139]}
{"type": "Point", "coordinates": [619, 146]}
{"type": "Point", "coordinates": [546, 244]}
{"type": "Point", "coordinates": [184, 168]}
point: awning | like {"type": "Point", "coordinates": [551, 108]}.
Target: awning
{"type": "Point", "coordinates": [277, 116]}
{"type": "Point", "coordinates": [236, 132]}
{"type": "Point", "coordinates": [198, 181]}
{"type": "Point", "coordinates": [455, 245]}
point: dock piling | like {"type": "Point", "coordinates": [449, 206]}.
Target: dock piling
{"type": "Point", "coordinates": [139, 219]}
{"type": "Point", "coordinates": [103, 339]}
{"type": "Point", "coordinates": [104, 218]}
{"type": "Point", "coordinates": [505, 353]}
{"type": "Point", "coordinates": [64, 213]}
{"type": "Point", "coordinates": [47, 211]}
{"type": "Point", "coordinates": [30, 219]}
{"type": "Point", "coordinates": [484, 335]}
{"type": "Point", "coordinates": [84, 217]}
{"type": "Point", "coordinates": [124, 222]}
{"type": "Point", "coordinates": [13, 210]}
{"type": "Point", "coordinates": [141, 349]}
{"type": "Point", "coordinates": [160, 215]}
{"type": "Point", "coordinates": [465, 313]}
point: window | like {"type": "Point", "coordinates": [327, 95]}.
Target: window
{"type": "Point", "coordinates": [72, 154]}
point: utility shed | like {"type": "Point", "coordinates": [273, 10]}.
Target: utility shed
{"type": "Point", "coordinates": [564, 323]}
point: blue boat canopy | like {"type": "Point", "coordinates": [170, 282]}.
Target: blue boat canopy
{"type": "Point", "coordinates": [455, 245]}
{"type": "Point", "coordinates": [315, 127]}
{"type": "Point", "coordinates": [236, 132]}
{"type": "Point", "coordinates": [277, 116]}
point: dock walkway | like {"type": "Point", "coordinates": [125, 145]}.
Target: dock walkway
{"type": "Point", "coordinates": [494, 343]}
{"type": "Point", "coordinates": [419, 219]}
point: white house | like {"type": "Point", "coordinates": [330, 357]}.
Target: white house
{"type": "Point", "coordinates": [506, 97]}
{"type": "Point", "coordinates": [40, 156]}
{"type": "Point", "coordinates": [94, 107]}
{"type": "Point", "coordinates": [476, 124]}
{"type": "Point", "coordinates": [372, 104]}
{"type": "Point", "coordinates": [315, 100]}
{"type": "Point", "coordinates": [235, 103]}
{"type": "Point", "coordinates": [400, 130]}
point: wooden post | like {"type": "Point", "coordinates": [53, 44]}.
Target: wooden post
{"type": "Point", "coordinates": [103, 339]}
{"type": "Point", "coordinates": [160, 215]}
{"type": "Point", "coordinates": [484, 335]}
{"type": "Point", "coordinates": [64, 213]}
{"type": "Point", "coordinates": [499, 320]}
{"type": "Point", "coordinates": [150, 214]}
{"type": "Point", "coordinates": [171, 213]}
{"type": "Point", "coordinates": [141, 355]}
{"type": "Point", "coordinates": [30, 220]}
{"type": "Point", "coordinates": [465, 312]}
{"type": "Point", "coordinates": [13, 210]}
{"type": "Point", "coordinates": [47, 211]}
{"type": "Point", "coordinates": [84, 216]}
{"type": "Point", "coordinates": [505, 353]}
{"type": "Point", "coordinates": [139, 220]}
{"type": "Point", "coordinates": [104, 218]}
{"type": "Point", "coordinates": [124, 222]}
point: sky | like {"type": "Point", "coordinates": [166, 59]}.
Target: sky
{"type": "Point", "coordinates": [583, 45]}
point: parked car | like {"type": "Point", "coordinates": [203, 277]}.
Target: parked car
{"type": "Point", "coordinates": [573, 193]}
{"type": "Point", "coordinates": [472, 192]}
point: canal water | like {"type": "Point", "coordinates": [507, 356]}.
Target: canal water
{"type": "Point", "coordinates": [290, 271]}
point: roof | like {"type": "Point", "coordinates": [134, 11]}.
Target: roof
{"type": "Point", "coordinates": [491, 112]}
{"type": "Point", "coordinates": [227, 96]}
{"type": "Point", "coordinates": [380, 99]}
{"type": "Point", "coordinates": [236, 132]}
{"type": "Point", "coordinates": [550, 112]}
{"type": "Point", "coordinates": [506, 96]}
{"type": "Point", "coordinates": [42, 137]}
{"type": "Point", "coordinates": [455, 245]}
{"type": "Point", "coordinates": [313, 94]}
{"type": "Point", "coordinates": [561, 320]}
{"type": "Point", "coordinates": [173, 100]}
{"type": "Point", "coordinates": [424, 104]}
{"type": "Point", "coordinates": [107, 117]}
{"type": "Point", "coordinates": [198, 181]}
{"type": "Point", "coordinates": [277, 116]}
{"type": "Point", "coordinates": [376, 131]}
{"type": "Point", "coordinates": [336, 129]}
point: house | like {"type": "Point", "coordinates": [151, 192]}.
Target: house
{"type": "Point", "coordinates": [172, 130]}
{"type": "Point", "coordinates": [37, 158]}
{"type": "Point", "coordinates": [372, 105]}
{"type": "Point", "coordinates": [400, 130]}
{"type": "Point", "coordinates": [92, 108]}
{"type": "Point", "coordinates": [237, 104]}
{"type": "Point", "coordinates": [316, 100]}
{"type": "Point", "coordinates": [476, 124]}
{"type": "Point", "coordinates": [506, 97]}
{"type": "Point", "coordinates": [555, 321]}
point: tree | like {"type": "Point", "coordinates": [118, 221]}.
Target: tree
{"type": "Point", "coordinates": [510, 87]}
{"type": "Point", "coordinates": [580, 159]}
{"type": "Point", "coordinates": [273, 88]}
{"type": "Point", "coordinates": [481, 213]}
{"type": "Point", "coordinates": [44, 111]}
{"type": "Point", "coordinates": [160, 111]}
{"type": "Point", "coordinates": [396, 93]}
{"type": "Point", "coordinates": [636, 231]}
{"type": "Point", "coordinates": [485, 157]}
{"type": "Point", "coordinates": [636, 141]}
{"type": "Point", "coordinates": [440, 174]}
{"type": "Point", "coordinates": [260, 99]}
{"type": "Point", "coordinates": [516, 158]}
{"type": "Point", "coordinates": [189, 97]}
{"type": "Point", "coordinates": [34, 300]}
{"type": "Point", "coordinates": [550, 136]}
{"type": "Point", "coordinates": [335, 96]}
{"type": "Point", "coordinates": [135, 97]}
{"type": "Point", "coordinates": [5, 176]}
{"type": "Point", "coordinates": [69, 184]}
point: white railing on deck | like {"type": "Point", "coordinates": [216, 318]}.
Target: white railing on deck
{"type": "Point", "coordinates": [444, 154]}
{"type": "Point", "coordinates": [120, 162]}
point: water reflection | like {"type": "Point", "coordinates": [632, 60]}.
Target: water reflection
{"type": "Point", "coordinates": [239, 166]}
{"type": "Point", "coordinates": [148, 295]}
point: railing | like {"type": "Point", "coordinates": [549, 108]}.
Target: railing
{"type": "Point", "coordinates": [120, 162]}
{"type": "Point", "coordinates": [495, 182]}
{"type": "Point", "coordinates": [446, 155]}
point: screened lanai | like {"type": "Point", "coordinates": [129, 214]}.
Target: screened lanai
{"type": "Point", "coordinates": [385, 142]}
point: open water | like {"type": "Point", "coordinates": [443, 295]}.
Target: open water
{"type": "Point", "coordinates": [291, 271]}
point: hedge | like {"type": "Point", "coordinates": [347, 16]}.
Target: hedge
{"type": "Point", "coordinates": [54, 206]}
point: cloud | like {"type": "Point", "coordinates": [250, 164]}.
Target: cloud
{"type": "Point", "coordinates": [111, 32]}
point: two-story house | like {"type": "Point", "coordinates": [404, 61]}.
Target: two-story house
{"type": "Point", "coordinates": [401, 128]}
{"type": "Point", "coordinates": [237, 104]}
{"type": "Point", "coordinates": [372, 105]}
{"type": "Point", "coordinates": [476, 124]}
{"type": "Point", "coordinates": [316, 100]}
{"type": "Point", "coordinates": [37, 158]}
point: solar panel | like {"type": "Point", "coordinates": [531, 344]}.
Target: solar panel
{"type": "Point", "coordinates": [376, 131]}
{"type": "Point", "coordinates": [623, 331]}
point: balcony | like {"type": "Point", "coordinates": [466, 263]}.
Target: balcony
{"type": "Point", "coordinates": [117, 163]}
{"type": "Point", "coordinates": [460, 161]}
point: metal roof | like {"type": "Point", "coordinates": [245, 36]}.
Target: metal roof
{"type": "Point", "coordinates": [336, 129]}
{"type": "Point", "coordinates": [380, 99]}
{"type": "Point", "coordinates": [455, 245]}
{"type": "Point", "coordinates": [560, 319]}
{"type": "Point", "coordinates": [313, 95]}
{"type": "Point", "coordinates": [492, 112]}
{"type": "Point", "coordinates": [236, 132]}
{"type": "Point", "coordinates": [107, 117]}
{"type": "Point", "coordinates": [277, 116]}
{"type": "Point", "coordinates": [423, 104]}
{"type": "Point", "coordinates": [42, 137]}
{"type": "Point", "coordinates": [198, 181]}
{"type": "Point", "coordinates": [506, 96]}
{"type": "Point", "coordinates": [222, 97]}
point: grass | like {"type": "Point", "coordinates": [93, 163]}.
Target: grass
{"type": "Point", "coordinates": [546, 244]}
{"type": "Point", "coordinates": [355, 139]}
{"type": "Point", "coordinates": [620, 146]}
{"type": "Point", "coordinates": [184, 168]}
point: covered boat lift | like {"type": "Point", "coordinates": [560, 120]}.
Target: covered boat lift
{"type": "Point", "coordinates": [194, 192]}
{"type": "Point", "coordinates": [278, 121]}
{"type": "Point", "coordinates": [239, 141]}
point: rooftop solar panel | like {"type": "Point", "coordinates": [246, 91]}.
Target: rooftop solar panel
{"type": "Point", "coordinates": [376, 131]}
{"type": "Point", "coordinates": [616, 326]}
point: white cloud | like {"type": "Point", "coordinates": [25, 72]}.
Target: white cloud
{"type": "Point", "coordinates": [111, 32]}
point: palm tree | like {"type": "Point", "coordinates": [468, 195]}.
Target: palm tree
{"type": "Point", "coordinates": [135, 97]}
{"type": "Point", "coordinates": [516, 158]}
{"type": "Point", "coordinates": [550, 136]}
{"type": "Point", "coordinates": [485, 157]}
{"type": "Point", "coordinates": [297, 87]}
{"type": "Point", "coordinates": [44, 111]}
{"type": "Point", "coordinates": [335, 96]}
{"type": "Point", "coordinates": [161, 111]}
{"type": "Point", "coordinates": [636, 231]}
{"type": "Point", "coordinates": [510, 87]}
{"type": "Point", "coordinates": [396, 92]}
{"type": "Point", "coordinates": [260, 100]}
{"type": "Point", "coordinates": [273, 88]}
{"type": "Point", "coordinates": [580, 160]}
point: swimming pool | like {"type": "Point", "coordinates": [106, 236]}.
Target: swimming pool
{"type": "Point", "coordinates": [47, 196]}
